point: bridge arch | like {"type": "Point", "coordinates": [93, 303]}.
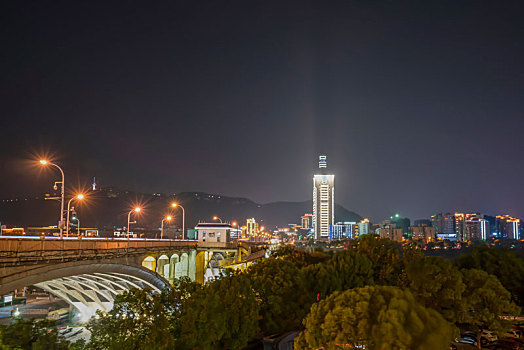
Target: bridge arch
{"type": "Point", "coordinates": [149, 262]}
{"type": "Point", "coordinates": [87, 287]}
{"type": "Point", "coordinates": [163, 266]}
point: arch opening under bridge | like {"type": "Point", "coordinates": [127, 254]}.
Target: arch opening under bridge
{"type": "Point", "coordinates": [88, 287]}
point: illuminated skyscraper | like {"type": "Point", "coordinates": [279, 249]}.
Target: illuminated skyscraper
{"type": "Point", "coordinates": [323, 200]}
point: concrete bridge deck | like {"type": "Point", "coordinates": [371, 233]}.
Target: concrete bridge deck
{"type": "Point", "coordinates": [15, 251]}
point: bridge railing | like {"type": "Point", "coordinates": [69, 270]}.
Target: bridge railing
{"type": "Point", "coordinates": [22, 250]}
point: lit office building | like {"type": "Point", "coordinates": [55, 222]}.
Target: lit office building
{"type": "Point", "coordinates": [390, 232]}
{"type": "Point", "coordinates": [323, 201]}
{"type": "Point", "coordinates": [423, 232]}
{"type": "Point", "coordinates": [462, 230]}
{"type": "Point", "coordinates": [444, 224]}
{"type": "Point", "coordinates": [307, 221]}
{"type": "Point", "coordinates": [475, 228]}
{"type": "Point", "coordinates": [364, 227]}
{"type": "Point", "coordinates": [508, 227]}
{"type": "Point", "coordinates": [251, 227]}
{"type": "Point", "coordinates": [343, 230]}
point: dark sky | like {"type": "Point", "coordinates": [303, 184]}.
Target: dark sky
{"type": "Point", "coordinates": [418, 105]}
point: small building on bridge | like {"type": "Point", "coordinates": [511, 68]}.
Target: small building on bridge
{"type": "Point", "coordinates": [211, 232]}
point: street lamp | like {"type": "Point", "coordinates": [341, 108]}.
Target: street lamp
{"type": "Point", "coordinates": [136, 210]}
{"type": "Point", "coordinates": [234, 224]}
{"type": "Point", "coordinates": [62, 186]}
{"type": "Point", "coordinates": [168, 218]}
{"type": "Point", "coordinates": [79, 197]}
{"type": "Point", "coordinates": [217, 218]}
{"type": "Point", "coordinates": [176, 205]}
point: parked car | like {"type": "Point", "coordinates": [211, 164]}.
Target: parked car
{"type": "Point", "coordinates": [66, 331]}
{"type": "Point", "coordinates": [514, 333]}
{"type": "Point", "coordinates": [490, 336]}
{"type": "Point", "coordinates": [467, 338]}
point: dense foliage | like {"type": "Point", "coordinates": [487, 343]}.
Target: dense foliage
{"type": "Point", "coordinates": [375, 292]}
{"type": "Point", "coordinates": [379, 317]}
{"type": "Point", "coordinates": [31, 335]}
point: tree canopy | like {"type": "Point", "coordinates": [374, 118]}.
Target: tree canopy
{"type": "Point", "coordinates": [379, 317]}
{"type": "Point", "coordinates": [223, 314]}
{"type": "Point", "coordinates": [505, 264]}
{"type": "Point", "coordinates": [31, 335]}
{"type": "Point", "coordinates": [437, 283]}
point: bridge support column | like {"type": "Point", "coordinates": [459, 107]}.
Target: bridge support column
{"type": "Point", "coordinates": [192, 261]}
{"type": "Point", "coordinates": [200, 266]}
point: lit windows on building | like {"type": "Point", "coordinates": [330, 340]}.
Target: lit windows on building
{"type": "Point", "coordinates": [364, 227]}
{"type": "Point", "coordinates": [343, 230]}
{"type": "Point", "coordinates": [475, 228]}
{"type": "Point", "coordinates": [306, 221]}
{"type": "Point", "coordinates": [508, 227]}
{"type": "Point", "coordinates": [323, 201]}
{"type": "Point", "coordinates": [444, 224]}
{"type": "Point", "coordinates": [251, 227]}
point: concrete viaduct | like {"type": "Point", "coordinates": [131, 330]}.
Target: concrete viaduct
{"type": "Point", "coordinates": [89, 273]}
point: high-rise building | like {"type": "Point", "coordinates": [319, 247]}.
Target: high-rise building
{"type": "Point", "coordinates": [508, 227]}
{"type": "Point", "coordinates": [364, 227]}
{"type": "Point", "coordinates": [422, 222]}
{"type": "Point", "coordinates": [423, 232]}
{"type": "Point", "coordinates": [475, 228]}
{"type": "Point", "coordinates": [307, 221]}
{"type": "Point", "coordinates": [493, 225]}
{"type": "Point", "coordinates": [461, 226]}
{"type": "Point", "coordinates": [444, 224]}
{"type": "Point", "coordinates": [323, 200]}
{"type": "Point", "coordinates": [343, 230]}
{"type": "Point", "coordinates": [251, 227]}
{"type": "Point", "coordinates": [391, 232]}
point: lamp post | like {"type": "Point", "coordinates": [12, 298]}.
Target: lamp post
{"type": "Point", "coordinates": [78, 227]}
{"type": "Point", "coordinates": [217, 218]}
{"type": "Point", "coordinates": [62, 186]}
{"type": "Point", "coordinates": [79, 197]}
{"type": "Point", "coordinates": [136, 210]}
{"type": "Point", "coordinates": [176, 205]}
{"type": "Point", "coordinates": [237, 227]}
{"type": "Point", "coordinates": [168, 218]}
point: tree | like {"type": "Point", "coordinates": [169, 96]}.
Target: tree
{"type": "Point", "coordinates": [486, 301]}
{"type": "Point", "coordinates": [385, 257]}
{"type": "Point", "coordinates": [284, 301]}
{"type": "Point", "coordinates": [345, 270]}
{"type": "Point", "coordinates": [437, 284]}
{"type": "Point", "coordinates": [299, 257]}
{"type": "Point", "coordinates": [505, 264]}
{"type": "Point", "coordinates": [377, 317]}
{"type": "Point", "coordinates": [139, 320]}
{"type": "Point", "coordinates": [223, 314]}
{"type": "Point", "coordinates": [31, 335]}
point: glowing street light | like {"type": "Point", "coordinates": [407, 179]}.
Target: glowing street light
{"type": "Point", "coordinates": [168, 218]}
{"type": "Point", "coordinates": [217, 218]}
{"type": "Point", "coordinates": [44, 162]}
{"type": "Point", "coordinates": [136, 210]}
{"type": "Point", "coordinates": [78, 197]}
{"type": "Point", "coordinates": [176, 205]}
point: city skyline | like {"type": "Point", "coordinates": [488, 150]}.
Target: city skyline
{"type": "Point", "coordinates": [419, 106]}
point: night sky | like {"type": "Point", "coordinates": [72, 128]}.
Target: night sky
{"type": "Point", "coordinates": [418, 105]}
